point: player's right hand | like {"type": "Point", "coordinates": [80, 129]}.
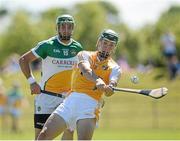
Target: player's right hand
{"type": "Point", "coordinates": [100, 85]}
{"type": "Point", "coordinates": [35, 88]}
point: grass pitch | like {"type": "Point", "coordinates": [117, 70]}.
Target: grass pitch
{"type": "Point", "coordinates": [125, 116]}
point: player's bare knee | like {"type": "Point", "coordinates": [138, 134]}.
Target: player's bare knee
{"type": "Point", "coordinates": [43, 134]}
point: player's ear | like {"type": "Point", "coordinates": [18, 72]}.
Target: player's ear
{"type": "Point", "coordinates": [56, 28]}
{"type": "Point", "coordinates": [97, 43]}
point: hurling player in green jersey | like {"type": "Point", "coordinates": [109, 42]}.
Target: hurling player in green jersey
{"type": "Point", "coordinates": [58, 55]}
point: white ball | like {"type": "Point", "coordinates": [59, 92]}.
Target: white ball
{"type": "Point", "coordinates": [134, 79]}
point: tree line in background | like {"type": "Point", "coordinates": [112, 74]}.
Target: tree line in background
{"type": "Point", "coordinates": [138, 46]}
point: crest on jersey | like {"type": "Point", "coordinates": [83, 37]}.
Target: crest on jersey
{"type": "Point", "coordinates": [39, 108]}
{"type": "Point", "coordinates": [73, 52]}
{"type": "Point", "coordinates": [104, 67]}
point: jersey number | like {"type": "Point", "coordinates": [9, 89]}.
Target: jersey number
{"type": "Point", "coordinates": [65, 52]}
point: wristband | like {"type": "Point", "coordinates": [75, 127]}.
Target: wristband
{"type": "Point", "coordinates": [31, 80]}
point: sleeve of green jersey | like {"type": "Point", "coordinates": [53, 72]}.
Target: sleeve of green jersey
{"type": "Point", "coordinates": [40, 50]}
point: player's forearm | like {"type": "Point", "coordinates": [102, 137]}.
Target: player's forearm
{"type": "Point", "coordinates": [88, 72]}
{"type": "Point", "coordinates": [25, 67]}
{"type": "Point", "coordinates": [90, 75]}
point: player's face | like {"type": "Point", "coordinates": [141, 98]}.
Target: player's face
{"type": "Point", "coordinates": [65, 30]}
{"type": "Point", "coordinates": [105, 48]}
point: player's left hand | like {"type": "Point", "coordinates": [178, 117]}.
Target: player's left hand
{"type": "Point", "coordinates": [108, 91]}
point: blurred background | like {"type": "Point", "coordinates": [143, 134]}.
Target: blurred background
{"type": "Point", "coordinates": [149, 48]}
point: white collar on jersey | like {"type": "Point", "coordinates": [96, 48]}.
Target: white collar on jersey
{"type": "Point", "coordinates": [64, 43]}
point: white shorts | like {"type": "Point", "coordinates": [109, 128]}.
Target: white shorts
{"type": "Point", "coordinates": [46, 104]}
{"type": "Point", "coordinates": [77, 106]}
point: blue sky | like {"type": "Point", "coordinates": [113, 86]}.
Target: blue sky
{"type": "Point", "coordinates": [135, 13]}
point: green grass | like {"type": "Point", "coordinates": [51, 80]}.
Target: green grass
{"type": "Point", "coordinates": [125, 116]}
{"type": "Point", "coordinates": [153, 134]}
{"type": "Point", "coordinates": [102, 134]}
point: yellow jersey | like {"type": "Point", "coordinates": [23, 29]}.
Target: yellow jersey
{"type": "Point", "coordinates": [108, 70]}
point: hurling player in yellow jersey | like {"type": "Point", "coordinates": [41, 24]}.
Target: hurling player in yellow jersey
{"type": "Point", "coordinates": [58, 55]}
{"type": "Point", "coordinates": [95, 75]}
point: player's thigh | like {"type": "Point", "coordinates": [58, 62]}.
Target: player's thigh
{"type": "Point", "coordinates": [39, 121]}
{"type": "Point", "coordinates": [54, 126]}
{"type": "Point", "coordinates": [85, 128]}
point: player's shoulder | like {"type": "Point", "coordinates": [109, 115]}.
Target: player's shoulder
{"type": "Point", "coordinates": [113, 64]}
{"type": "Point", "coordinates": [76, 44]}
{"type": "Point", "coordinates": [87, 53]}
{"type": "Point", "coordinates": [48, 41]}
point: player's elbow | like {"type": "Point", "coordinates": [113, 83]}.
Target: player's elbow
{"type": "Point", "coordinates": [86, 72]}
{"type": "Point", "coordinates": [22, 60]}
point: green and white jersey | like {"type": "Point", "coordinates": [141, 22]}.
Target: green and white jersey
{"type": "Point", "coordinates": [58, 60]}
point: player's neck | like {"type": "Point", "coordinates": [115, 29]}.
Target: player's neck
{"type": "Point", "coordinates": [100, 59]}
{"type": "Point", "coordinates": [65, 41]}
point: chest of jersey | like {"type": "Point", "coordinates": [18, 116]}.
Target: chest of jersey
{"type": "Point", "coordinates": [102, 70]}
{"type": "Point", "coordinates": [62, 52]}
